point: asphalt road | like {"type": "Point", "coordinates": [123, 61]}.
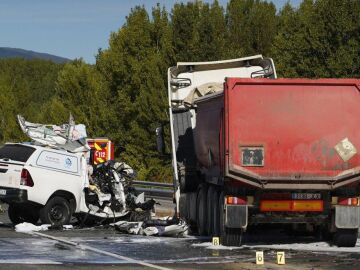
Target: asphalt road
{"type": "Point", "coordinates": [105, 248]}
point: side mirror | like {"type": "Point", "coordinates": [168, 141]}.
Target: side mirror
{"type": "Point", "coordinates": [160, 143]}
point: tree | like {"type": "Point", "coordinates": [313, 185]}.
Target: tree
{"type": "Point", "coordinates": [338, 32]}
{"type": "Point", "coordinates": [184, 22]}
{"type": "Point", "coordinates": [211, 30]}
{"type": "Point", "coordinates": [288, 43]}
{"type": "Point", "coordinates": [80, 89]}
{"type": "Point", "coordinates": [320, 39]}
{"type": "Point", "coordinates": [8, 126]}
{"type": "Point", "coordinates": [135, 66]}
{"type": "Point", "coordinates": [25, 85]}
{"type": "Point", "coordinates": [251, 26]}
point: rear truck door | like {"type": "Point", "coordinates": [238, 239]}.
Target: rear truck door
{"type": "Point", "coordinates": [293, 133]}
{"type": "Point", "coordinates": [12, 160]}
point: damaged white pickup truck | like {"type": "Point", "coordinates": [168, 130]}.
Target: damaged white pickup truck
{"type": "Point", "coordinates": [50, 179]}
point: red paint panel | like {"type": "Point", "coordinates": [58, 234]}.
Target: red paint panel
{"type": "Point", "coordinates": [208, 135]}
{"type": "Point", "coordinates": [297, 122]}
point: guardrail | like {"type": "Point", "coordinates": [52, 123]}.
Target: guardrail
{"type": "Point", "coordinates": [155, 189]}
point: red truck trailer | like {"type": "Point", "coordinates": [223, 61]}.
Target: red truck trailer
{"type": "Point", "coordinates": [250, 151]}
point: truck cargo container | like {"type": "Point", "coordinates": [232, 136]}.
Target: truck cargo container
{"type": "Point", "coordinates": [251, 149]}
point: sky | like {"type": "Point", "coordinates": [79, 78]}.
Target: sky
{"type": "Point", "coordinates": [71, 28]}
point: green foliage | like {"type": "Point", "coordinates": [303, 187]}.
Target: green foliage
{"type": "Point", "coordinates": [320, 39]}
{"type": "Point", "coordinates": [184, 22]}
{"type": "Point", "coordinates": [124, 95]}
{"type": "Point", "coordinates": [83, 91]}
{"type": "Point", "coordinates": [251, 26]}
{"type": "Point", "coordinates": [211, 30]}
{"type": "Point", "coordinates": [25, 85]}
{"type": "Point", "coordinates": [135, 70]}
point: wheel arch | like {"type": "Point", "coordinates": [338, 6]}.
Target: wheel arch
{"type": "Point", "coordinates": [66, 195]}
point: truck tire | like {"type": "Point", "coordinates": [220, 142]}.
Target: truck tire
{"type": "Point", "coordinates": [346, 237]}
{"type": "Point", "coordinates": [216, 213]}
{"type": "Point", "coordinates": [201, 202]}
{"type": "Point", "coordinates": [192, 207]}
{"type": "Point", "coordinates": [228, 236]}
{"type": "Point", "coordinates": [210, 210]}
{"type": "Point", "coordinates": [182, 183]}
{"type": "Point", "coordinates": [183, 210]}
{"type": "Point", "coordinates": [56, 212]}
{"type": "Point", "coordinates": [188, 207]}
{"type": "Point", "coordinates": [188, 183]}
{"type": "Point", "coordinates": [22, 213]}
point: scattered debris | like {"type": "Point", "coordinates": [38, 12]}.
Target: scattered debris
{"type": "Point", "coordinates": [171, 227]}
{"type": "Point", "coordinates": [108, 192]}
{"type": "Point", "coordinates": [26, 227]}
{"type": "Point", "coordinates": [111, 193]}
{"type": "Point", "coordinates": [29, 227]}
{"type": "Point", "coordinates": [68, 227]}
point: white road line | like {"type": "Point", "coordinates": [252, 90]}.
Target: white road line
{"type": "Point", "coordinates": [114, 255]}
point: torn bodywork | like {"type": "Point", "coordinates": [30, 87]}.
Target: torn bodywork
{"type": "Point", "coordinates": [106, 193]}
{"type": "Point", "coordinates": [111, 195]}
{"type": "Point", "coordinates": [69, 137]}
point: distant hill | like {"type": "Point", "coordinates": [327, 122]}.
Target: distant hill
{"type": "Point", "coordinates": [6, 52]}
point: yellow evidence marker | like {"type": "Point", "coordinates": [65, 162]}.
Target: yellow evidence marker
{"type": "Point", "coordinates": [215, 241]}
{"type": "Point", "coordinates": [280, 255]}
{"type": "Point", "coordinates": [259, 257]}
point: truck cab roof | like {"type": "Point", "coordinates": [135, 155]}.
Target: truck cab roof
{"type": "Point", "coordinates": [187, 76]}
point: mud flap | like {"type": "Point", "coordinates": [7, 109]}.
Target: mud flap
{"type": "Point", "coordinates": [347, 217]}
{"type": "Point", "coordinates": [236, 216]}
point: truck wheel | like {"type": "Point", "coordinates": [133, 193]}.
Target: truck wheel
{"type": "Point", "coordinates": [183, 213]}
{"type": "Point", "coordinates": [228, 236]}
{"type": "Point", "coordinates": [192, 207]}
{"type": "Point", "coordinates": [182, 184]}
{"type": "Point", "coordinates": [346, 237]}
{"type": "Point", "coordinates": [188, 207]}
{"type": "Point", "coordinates": [201, 202]}
{"type": "Point", "coordinates": [216, 213]}
{"type": "Point", "coordinates": [188, 183]}
{"type": "Point", "coordinates": [56, 212]}
{"type": "Point", "coordinates": [210, 212]}
{"type": "Point", "coordinates": [22, 213]}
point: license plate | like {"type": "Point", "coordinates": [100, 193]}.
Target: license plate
{"type": "Point", "coordinates": [306, 196]}
{"type": "Point", "coordinates": [2, 191]}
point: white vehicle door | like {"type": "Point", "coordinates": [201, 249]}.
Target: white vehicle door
{"type": "Point", "coordinates": [53, 171]}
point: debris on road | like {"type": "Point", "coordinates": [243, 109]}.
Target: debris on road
{"type": "Point", "coordinates": [29, 227]}
{"type": "Point", "coordinates": [154, 227]}
{"type": "Point", "coordinates": [26, 227]}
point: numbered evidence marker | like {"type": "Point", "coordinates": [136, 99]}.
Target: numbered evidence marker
{"type": "Point", "coordinates": [280, 257]}
{"type": "Point", "coordinates": [215, 241]}
{"type": "Point", "coordinates": [259, 257]}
